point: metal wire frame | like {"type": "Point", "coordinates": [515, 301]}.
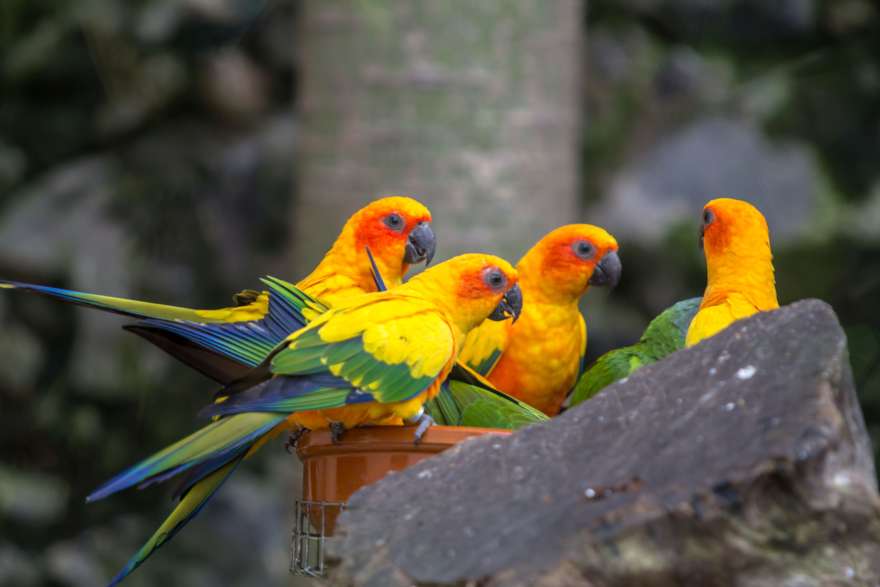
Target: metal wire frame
{"type": "Point", "coordinates": [309, 536]}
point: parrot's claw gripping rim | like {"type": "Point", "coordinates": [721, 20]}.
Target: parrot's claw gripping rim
{"type": "Point", "coordinates": [310, 534]}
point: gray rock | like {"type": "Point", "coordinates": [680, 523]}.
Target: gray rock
{"type": "Point", "coordinates": [711, 158]}
{"type": "Point", "coordinates": [742, 461]}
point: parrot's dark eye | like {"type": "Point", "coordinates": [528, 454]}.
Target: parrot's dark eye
{"type": "Point", "coordinates": [394, 221]}
{"type": "Point", "coordinates": [708, 217]}
{"type": "Point", "coordinates": [495, 279]}
{"type": "Point", "coordinates": [585, 250]}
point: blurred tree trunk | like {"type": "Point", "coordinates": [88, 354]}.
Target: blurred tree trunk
{"type": "Point", "coordinates": [472, 107]}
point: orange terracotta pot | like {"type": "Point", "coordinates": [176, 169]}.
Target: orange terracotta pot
{"type": "Point", "coordinates": [332, 472]}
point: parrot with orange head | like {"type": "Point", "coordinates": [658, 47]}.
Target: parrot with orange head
{"type": "Point", "coordinates": [226, 343]}
{"type": "Point", "coordinates": [370, 358]}
{"type": "Point", "coordinates": [537, 359]}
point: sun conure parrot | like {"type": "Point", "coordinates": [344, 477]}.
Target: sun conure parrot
{"type": "Point", "coordinates": [371, 357]}
{"type": "Point", "coordinates": [466, 398]}
{"type": "Point", "coordinates": [736, 241]}
{"type": "Point", "coordinates": [538, 359]}
{"type": "Point", "coordinates": [663, 336]}
{"type": "Point", "coordinates": [225, 343]}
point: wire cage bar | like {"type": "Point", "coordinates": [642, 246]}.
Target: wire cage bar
{"type": "Point", "coordinates": [312, 528]}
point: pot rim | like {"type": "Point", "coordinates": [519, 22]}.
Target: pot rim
{"type": "Point", "coordinates": [387, 439]}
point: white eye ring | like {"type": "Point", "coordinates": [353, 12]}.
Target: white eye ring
{"type": "Point", "coordinates": [394, 221]}
{"type": "Point", "coordinates": [583, 249]}
{"type": "Point", "coordinates": [494, 278]}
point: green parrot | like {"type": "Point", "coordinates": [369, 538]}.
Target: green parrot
{"type": "Point", "coordinates": [467, 399]}
{"type": "Point", "coordinates": [663, 336]}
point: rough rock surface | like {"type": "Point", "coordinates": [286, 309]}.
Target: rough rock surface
{"type": "Point", "coordinates": [743, 461]}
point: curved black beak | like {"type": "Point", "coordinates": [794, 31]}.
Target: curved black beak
{"type": "Point", "coordinates": [421, 245]}
{"type": "Point", "coordinates": [510, 305]}
{"type": "Point", "coordinates": [608, 271]}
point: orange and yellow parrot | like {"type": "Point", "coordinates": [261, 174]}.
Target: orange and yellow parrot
{"type": "Point", "coordinates": [369, 358]}
{"type": "Point", "coordinates": [538, 359]}
{"type": "Point", "coordinates": [225, 343]}
{"type": "Point", "coordinates": [736, 241]}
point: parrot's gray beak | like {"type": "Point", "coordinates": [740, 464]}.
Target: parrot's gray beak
{"type": "Point", "coordinates": [510, 305]}
{"type": "Point", "coordinates": [421, 245]}
{"type": "Point", "coordinates": [607, 272]}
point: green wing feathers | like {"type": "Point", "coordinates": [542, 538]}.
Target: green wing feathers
{"type": "Point", "coordinates": [463, 404]}
{"type": "Point", "coordinates": [390, 359]}
{"type": "Point", "coordinates": [610, 367]}
{"type": "Point", "coordinates": [666, 333]}
{"type": "Point", "coordinates": [663, 336]}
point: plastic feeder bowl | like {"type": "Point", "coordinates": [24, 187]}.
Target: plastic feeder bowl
{"type": "Point", "coordinates": [332, 472]}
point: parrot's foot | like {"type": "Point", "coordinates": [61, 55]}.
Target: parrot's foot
{"type": "Point", "coordinates": [337, 429]}
{"type": "Point", "coordinates": [290, 444]}
{"type": "Point", "coordinates": [424, 421]}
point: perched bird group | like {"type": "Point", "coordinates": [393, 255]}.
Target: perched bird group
{"type": "Point", "coordinates": [471, 341]}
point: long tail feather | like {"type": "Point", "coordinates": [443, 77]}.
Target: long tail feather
{"type": "Point", "coordinates": [126, 307]}
{"type": "Point", "coordinates": [220, 368]}
{"type": "Point", "coordinates": [226, 437]}
{"type": "Point", "coordinates": [191, 503]}
{"type": "Point", "coordinates": [209, 341]}
{"type": "Point", "coordinates": [192, 336]}
{"type": "Point", "coordinates": [289, 394]}
{"type": "Point", "coordinates": [225, 352]}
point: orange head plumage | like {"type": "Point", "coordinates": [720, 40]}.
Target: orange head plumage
{"type": "Point", "coordinates": [396, 230]}
{"type": "Point", "coordinates": [563, 264]}
{"type": "Point", "coordinates": [736, 242]}
{"type": "Point", "coordinates": [537, 359]}
{"type": "Point", "coordinates": [470, 288]}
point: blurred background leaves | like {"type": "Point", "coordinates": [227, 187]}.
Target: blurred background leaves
{"type": "Point", "coordinates": [147, 149]}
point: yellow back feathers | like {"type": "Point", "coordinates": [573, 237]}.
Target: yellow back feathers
{"type": "Point", "coordinates": [538, 358]}
{"type": "Point", "coordinates": [739, 264]}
